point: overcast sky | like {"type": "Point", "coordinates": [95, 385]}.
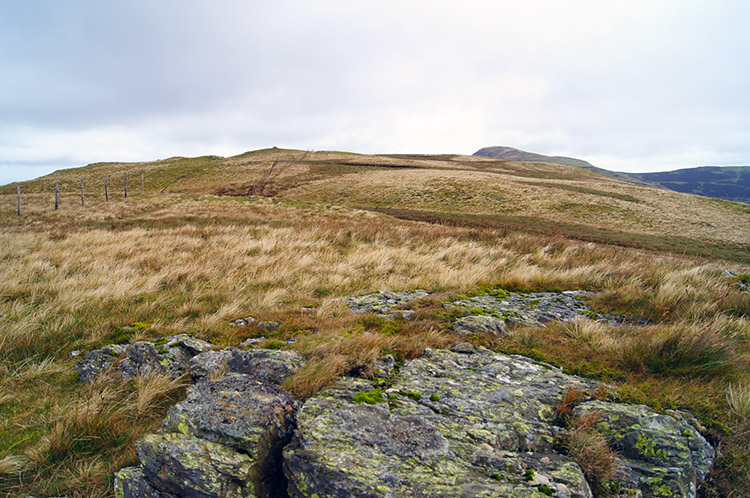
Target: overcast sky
{"type": "Point", "coordinates": [642, 85]}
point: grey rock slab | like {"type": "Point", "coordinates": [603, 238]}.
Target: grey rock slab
{"type": "Point", "coordinates": [131, 482]}
{"type": "Point", "coordinates": [383, 302]}
{"type": "Point", "coordinates": [236, 410]}
{"type": "Point", "coordinates": [271, 365]}
{"type": "Point", "coordinates": [453, 424]}
{"type": "Point", "coordinates": [662, 455]}
{"type": "Point", "coordinates": [532, 308]}
{"type": "Point", "coordinates": [480, 325]}
{"type": "Point", "coordinates": [188, 466]}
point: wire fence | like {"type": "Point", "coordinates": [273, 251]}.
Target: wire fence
{"type": "Point", "coordinates": [83, 192]}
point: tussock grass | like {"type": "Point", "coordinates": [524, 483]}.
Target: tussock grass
{"type": "Point", "coordinates": [589, 449]}
{"type": "Point", "coordinates": [680, 349]}
{"type": "Point", "coordinates": [11, 465]}
{"type": "Point", "coordinates": [738, 399]}
{"type": "Point", "coordinates": [90, 435]}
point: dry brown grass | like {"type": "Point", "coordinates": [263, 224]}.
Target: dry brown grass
{"type": "Point", "coordinates": [588, 448]}
{"type": "Point", "coordinates": [182, 263]}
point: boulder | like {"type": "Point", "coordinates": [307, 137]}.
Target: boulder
{"type": "Point", "coordinates": [170, 355]}
{"type": "Point", "coordinates": [130, 482]}
{"type": "Point", "coordinates": [238, 411]}
{"type": "Point", "coordinates": [224, 440]}
{"type": "Point", "coordinates": [185, 465]}
{"type": "Point", "coordinates": [210, 365]}
{"type": "Point", "coordinates": [480, 325]}
{"type": "Point", "coordinates": [661, 455]}
{"type": "Point", "coordinates": [271, 365]}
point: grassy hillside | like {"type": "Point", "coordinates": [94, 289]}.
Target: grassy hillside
{"type": "Point", "coordinates": [564, 199]}
{"type": "Point", "coordinates": [214, 239]}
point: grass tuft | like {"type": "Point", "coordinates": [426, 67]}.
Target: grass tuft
{"type": "Point", "coordinates": [683, 349]}
{"type": "Point", "coordinates": [589, 449]}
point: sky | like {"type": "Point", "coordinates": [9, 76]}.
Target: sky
{"type": "Point", "coordinates": [628, 86]}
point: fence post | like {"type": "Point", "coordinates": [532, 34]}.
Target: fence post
{"type": "Point", "coordinates": [106, 190]}
{"type": "Point", "coordinates": [57, 193]}
{"type": "Point", "coordinates": [18, 193]}
{"type": "Point", "coordinates": [82, 203]}
{"type": "Point", "coordinates": [141, 183]}
{"type": "Point", "coordinates": [125, 177]}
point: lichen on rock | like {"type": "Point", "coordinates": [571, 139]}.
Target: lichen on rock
{"type": "Point", "coordinates": [489, 421]}
{"type": "Point", "coordinates": [662, 455]}
{"type": "Point", "coordinates": [170, 355]}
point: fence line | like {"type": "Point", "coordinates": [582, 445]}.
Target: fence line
{"type": "Point", "coordinates": [83, 191]}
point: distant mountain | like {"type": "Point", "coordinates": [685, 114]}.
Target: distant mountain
{"type": "Point", "coordinates": [724, 182]}
{"type": "Point", "coordinates": [512, 154]}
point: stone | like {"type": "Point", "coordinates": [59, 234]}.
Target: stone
{"type": "Point", "coordinates": [209, 365]}
{"type": "Point", "coordinates": [97, 361]}
{"type": "Point", "coordinates": [661, 455]}
{"type": "Point", "coordinates": [535, 308]}
{"type": "Point", "coordinates": [464, 347]}
{"type": "Point", "coordinates": [166, 356]}
{"type": "Point", "coordinates": [268, 326]}
{"type": "Point", "coordinates": [242, 322]}
{"type": "Point", "coordinates": [384, 302]}
{"type": "Point", "coordinates": [480, 325]}
{"type": "Point", "coordinates": [384, 367]}
{"type": "Point", "coordinates": [252, 342]}
{"type": "Point", "coordinates": [130, 482]}
{"type": "Point", "coordinates": [185, 465]}
{"type": "Point", "coordinates": [238, 411]}
{"type": "Point", "coordinates": [271, 365]}
{"type": "Point", "coordinates": [452, 424]}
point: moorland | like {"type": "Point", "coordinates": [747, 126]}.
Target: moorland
{"type": "Point", "coordinates": [272, 232]}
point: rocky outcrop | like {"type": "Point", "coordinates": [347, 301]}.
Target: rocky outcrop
{"type": "Point", "coordinates": [385, 302]}
{"type": "Point", "coordinates": [474, 424]}
{"type": "Point", "coordinates": [535, 308]}
{"type": "Point", "coordinates": [661, 455]}
{"type": "Point", "coordinates": [170, 355]}
{"type": "Point", "coordinates": [462, 423]}
{"type": "Point", "coordinates": [224, 440]}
